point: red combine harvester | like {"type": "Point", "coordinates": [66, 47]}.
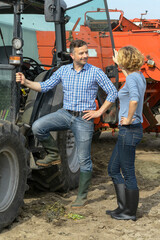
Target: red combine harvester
{"type": "Point", "coordinates": [141, 33]}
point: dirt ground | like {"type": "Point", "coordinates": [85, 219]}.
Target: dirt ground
{"type": "Point", "coordinates": [48, 216]}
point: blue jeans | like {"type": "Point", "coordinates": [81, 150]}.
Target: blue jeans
{"type": "Point", "coordinates": [121, 167]}
{"type": "Point", "coordinates": [81, 128]}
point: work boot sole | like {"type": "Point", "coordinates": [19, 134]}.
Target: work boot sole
{"type": "Point", "coordinates": [49, 164]}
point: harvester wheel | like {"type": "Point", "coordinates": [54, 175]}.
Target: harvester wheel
{"type": "Point", "coordinates": [14, 170]}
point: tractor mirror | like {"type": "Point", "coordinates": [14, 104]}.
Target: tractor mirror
{"type": "Point", "coordinates": [52, 10]}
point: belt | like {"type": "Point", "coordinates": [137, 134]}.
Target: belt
{"type": "Point", "coordinates": [131, 125]}
{"type": "Point", "coordinates": [76, 114]}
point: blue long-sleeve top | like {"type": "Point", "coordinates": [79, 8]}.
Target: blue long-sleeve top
{"type": "Point", "coordinates": [133, 90]}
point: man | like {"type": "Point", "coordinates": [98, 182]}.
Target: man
{"type": "Point", "coordinates": [80, 82]}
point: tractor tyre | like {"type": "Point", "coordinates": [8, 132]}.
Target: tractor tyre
{"type": "Point", "coordinates": [60, 177]}
{"type": "Point", "coordinates": [14, 159]}
{"type": "Point", "coordinates": [63, 177]}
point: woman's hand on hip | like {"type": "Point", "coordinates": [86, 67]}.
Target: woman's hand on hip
{"type": "Point", "coordinates": [126, 121]}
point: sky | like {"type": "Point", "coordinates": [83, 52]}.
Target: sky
{"type": "Point", "coordinates": [132, 8]}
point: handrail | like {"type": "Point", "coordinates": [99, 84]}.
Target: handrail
{"type": "Point", "coordinates": [103, 10]}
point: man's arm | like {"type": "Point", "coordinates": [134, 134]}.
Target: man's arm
{"type": "Point", "coordinates": [97, 113]}
{"type": "Point", "coordinates": [104, 82]}
{"type": "Point", "coordinates": [20, 78]}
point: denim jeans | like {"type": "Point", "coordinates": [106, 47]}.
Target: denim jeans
{"type": "Point", "coordinates": [81, 128]}
{"type": "Point", "coordinates": [121, 167]}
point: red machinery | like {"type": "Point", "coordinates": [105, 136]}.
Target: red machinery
{"type": "Point", "coordinates": [143, 34]}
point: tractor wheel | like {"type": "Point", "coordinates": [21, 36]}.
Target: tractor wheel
{"type": "Point", "coordinates": [13, 172]}
{"type": "Point", "coordinates": [65, 176]}
{"type": "Point", "coordinates": [61, 177]}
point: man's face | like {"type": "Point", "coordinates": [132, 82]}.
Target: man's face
{"type": "Point", "coordinates": [80, 55]}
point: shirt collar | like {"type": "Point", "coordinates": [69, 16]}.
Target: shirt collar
{"type": "Point", "coordinates": [85, 67]}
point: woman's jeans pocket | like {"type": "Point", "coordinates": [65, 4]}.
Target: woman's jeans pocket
{"type": "Point", "coordinates": [130, 135]}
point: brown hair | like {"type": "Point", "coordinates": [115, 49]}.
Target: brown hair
{"type": "Point", "coordinates": [76, 43]}
{"type": "Point", "coordinates": [130, 58]}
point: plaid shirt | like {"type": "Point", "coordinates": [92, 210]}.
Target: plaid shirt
{"type": "Point", "coordinates": [80, 88]}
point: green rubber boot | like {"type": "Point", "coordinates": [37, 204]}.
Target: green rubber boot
{"type": "Point", "coordinates": [84, 182]}
{"type": "Point", "coordinates": [52, 157]}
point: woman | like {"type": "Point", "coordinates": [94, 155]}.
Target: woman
{"type": "Point", "coordinates": [122, 163]}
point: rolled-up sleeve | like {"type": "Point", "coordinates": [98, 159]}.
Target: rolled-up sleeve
{"type": "Point", "coordinates": [105, 83]}
{"type": "Point", "coordinates": [133, 90]}
{"type": "Point", "coordinates": [52, 81]}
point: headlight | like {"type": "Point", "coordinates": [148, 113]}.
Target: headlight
{"type": "Point", "coordinates": [17, 43]}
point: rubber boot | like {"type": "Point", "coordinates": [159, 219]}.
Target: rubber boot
{"type": "Point", "coordinates": [52, 157]}
{"type": "Point", "coordinates": [129, 213]}
{"type": "Point", "coordinates": [84, 182]}
{"type": "Point", "coordinates": [121, 199]}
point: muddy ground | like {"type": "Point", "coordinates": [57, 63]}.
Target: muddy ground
{"type": "Point", "coordinates": [48, 216]}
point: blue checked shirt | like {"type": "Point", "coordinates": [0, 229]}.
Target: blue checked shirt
{"type": "Point", "coordinates": [80, 88]}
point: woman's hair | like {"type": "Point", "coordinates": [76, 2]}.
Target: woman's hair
{"type": "Point", "coordinates": [76, 44]}
{"type": "Point", "coordinates": [130, 58]}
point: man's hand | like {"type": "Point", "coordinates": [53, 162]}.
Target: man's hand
{"type": "Point", "coordinates": [20, 78]}
{"type": "Point", "coordinates": [97, 113]}
{"type": "Point", "coordinates": [91, 114]}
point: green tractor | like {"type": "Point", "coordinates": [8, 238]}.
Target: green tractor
{"type": "Point", "coordinates": [19, 108]}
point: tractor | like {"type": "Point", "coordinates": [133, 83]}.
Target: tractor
{"type": "Point", "coordinates": [20, 107]}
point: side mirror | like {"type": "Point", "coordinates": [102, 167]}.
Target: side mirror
{"type": "Point", "coordinates": [52, 10]}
